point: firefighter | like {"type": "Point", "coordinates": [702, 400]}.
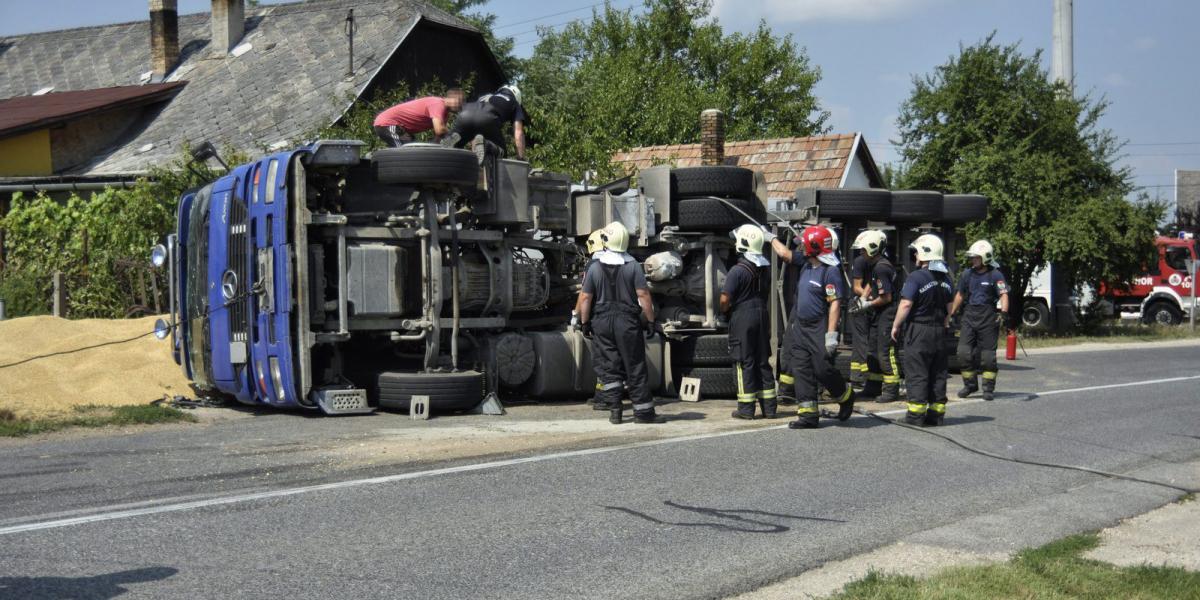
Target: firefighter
{"type": "Point", "coordinates": [812, 336]}
{"type": "Point", "coordinates": [860, 322]}
{"type": "Point", "coordinates": [616, 286]}
{"type": "Point", "coordinates": [925, 311]}
{"type": "Point", "coordinates": [744, 298]}
{"type": "Point", "coordinates": [594, 247]}
{"type": "Point", "coordinates": [979, 287]}
{"type": "Point", "coordinates": [877, 306]}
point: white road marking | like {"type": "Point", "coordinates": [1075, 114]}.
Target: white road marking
{"type": "Point", "coordinates": [283, 493]}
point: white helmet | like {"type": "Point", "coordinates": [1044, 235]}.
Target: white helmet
{"type": "Point", "coordinates": [512, 88]}
{"type": "Point", "coordinates": [615, 237]}
{"type": "Point", "coordinates": [870, 242]}
{"type": "Point", "coordinates": [594, 243]}
{"type": "Point", "coordinates": [929, 248]}
{"type": "Point", "coordinates": [748, 239]}
{"type": "Point", "coordinates": [983, 250]}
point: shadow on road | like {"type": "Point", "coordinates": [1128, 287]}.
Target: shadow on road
{"type": "Point", "coordinates": [99, 587]}
{"type": "Point", "coordinates": [868, 422]}
{"type": "Point", "coordinates": [763, 522]}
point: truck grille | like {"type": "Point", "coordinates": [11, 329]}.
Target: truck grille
{"type": "Point", "coordinates": [238, 249]}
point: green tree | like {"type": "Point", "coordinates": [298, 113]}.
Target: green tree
{"type": "Point", "coordinates": [626, 79]}
{"type": "Point", "coordinates": [990, 121]}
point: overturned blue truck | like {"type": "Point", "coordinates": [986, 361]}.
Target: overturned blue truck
{"type": "Point", "coordinates": [317, 278]}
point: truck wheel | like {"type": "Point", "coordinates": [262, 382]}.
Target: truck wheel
{"type": "Point", "coordinates": [426, 165]}
{"type": "Point", "coordinates": [709, 214]}
{"type": "Point", "coordinates": [720, 181]}
{"type": "Point", "coordinates": [847, 203]}
{"type": "Point", "coordinates": [716, 383]}
{"type": "Point", "coordinates": [1035, 315]}
{"type": "Point", "coordinates": [916, 206]}
{"type": "Point", "coordinates": [1162, 313]}
{"type": "Point", "coordinates": [964, 208]}
{"type": "Point", "coordinates": [702, 351]}
{"type": "Point", "coordinates": [448, 392]}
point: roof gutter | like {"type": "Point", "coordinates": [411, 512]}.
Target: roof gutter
{"type": "Point", "coordinates": [75, 186]}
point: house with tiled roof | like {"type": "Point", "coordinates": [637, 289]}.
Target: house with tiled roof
{"type": "Point", "coordinates": [107, 103]}
{"type": "Point", "coordinates": [787, 164]}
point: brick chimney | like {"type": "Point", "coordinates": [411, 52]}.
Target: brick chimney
{"type": "Point", "coordinates": [228, 25]}
{"type": "Point", "coordinates": [712, 137]}
{"type": "Point", "coordinates": [164, 37]}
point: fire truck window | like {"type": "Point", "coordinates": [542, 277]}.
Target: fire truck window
{"type": "Point", "coordinates": [1177, 258]}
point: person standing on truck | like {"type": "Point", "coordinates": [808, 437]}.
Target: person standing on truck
{"type": "Point", "coordinates": [980, 286]}
{"type": "Point", "coordinates": [397, 125]}
{"type": "Point", "coordinates": [594, 246]}
{"type": "Point", "coordinates": [860, 322]}
{"type": "Point", "coordinates": [486, 117]}
{"type": "Point", "coordinates": [743, 298]}
{"type": "Point", "coordinates": [616, 286]}
{"type": "Point", "coordinates": [925, 311]}
{"type": "Point", "coordinates": [812, 335]}
{"type": "Point", "coordinates": [877, 306]}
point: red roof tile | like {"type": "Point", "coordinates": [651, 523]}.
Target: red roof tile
{"type": "Point", "coordinates": [787, 163]}
{"type": "Point", "coordinates": [24, 113]}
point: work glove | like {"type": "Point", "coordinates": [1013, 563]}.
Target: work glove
{"type": "Point", "coordinates": [861, 305]}
{"type": "Point", "coordinates": [586, 328]}
{"type": "Point", "coordinates": [766, 231]}
{"type": "Point", "coordinates": [574, 325]}
{"type": "Point", "coordinates": [831, 343]}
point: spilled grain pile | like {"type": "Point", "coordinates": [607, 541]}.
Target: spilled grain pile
{"type": "Point", "coordinates": [136, 372]}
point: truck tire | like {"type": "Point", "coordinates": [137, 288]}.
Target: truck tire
{"type": "Point", "coordinates": [720, 181]}
{"type": "Point", "coordinates": [702, 351]}
{"type": "Point", "coordinates": [1162, 312]}
{"type": "Point", "coordinates": [448, 392]}
{"type": "Point", "coordinates": [426, 165]}
{"type": "Point", "coordinates": [716, 383]}
{"type": "Point", "coordinates": [837, 204]}
{"type": "Point", "coordinates": [708, 214]}
{"type": "Point", "coordinates": [1035, 315]}
{"type": "Point", "coordinates": [964, 208]}
{"type": "Point", "coordinates": [916, 206]}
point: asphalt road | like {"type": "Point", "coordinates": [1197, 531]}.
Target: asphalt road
{"type": "Point", "coordinates": [167, 514]}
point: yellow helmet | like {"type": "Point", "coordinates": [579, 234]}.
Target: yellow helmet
{"type": "Point", "coordinates": [594, 242]}
{"type": "Point", "coordinates": [929, 248]}
{"type": "Point", "coordinates": [983, 250]}
{"type": "Point", "coordinates": [870, 242]}
{"type": "Point", "coordinates": [748, 239]}
{"type": "Point", "coordinates": [615, 237]}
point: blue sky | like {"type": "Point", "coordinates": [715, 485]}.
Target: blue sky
{"type": "Point", "coordinates": [1139, 55]}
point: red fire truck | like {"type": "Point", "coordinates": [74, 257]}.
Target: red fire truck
{"type": "Point", "coordinates": [1163, 294]}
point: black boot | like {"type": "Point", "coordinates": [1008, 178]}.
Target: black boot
{"type": "Point", "coordinates": [616, 414]}
{"type": "Point", "coordinates": [872, 389]}
{"type": "Point", "coordinates": [989, 387]}
{"type": "Point", "coordinates": [916, 413]}
{"type": "Point", "coordinates": [745, 410]}
{"type": "Point", "coordinates": [769, 408]}
{"type": "Point", "coordinates": [891, 393]}
{"type": "Point", "coordinates": [806, 420]}
{"type": "Point", "coordinates": [599, 404]}
{"type": "Point", "coordinates": [970, 385]}
{"type": "Point", "coordinates": [846, 405]}
{"type": "Point", "coordinates": [648, 417]}
{"type": "Point", "coordinates": [935, 414]}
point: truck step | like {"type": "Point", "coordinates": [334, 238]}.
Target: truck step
{"type": "Point", "coordinates": [342, 401]}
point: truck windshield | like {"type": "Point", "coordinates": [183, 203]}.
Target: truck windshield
{"type": "Point", "coordinates": [196, 288]}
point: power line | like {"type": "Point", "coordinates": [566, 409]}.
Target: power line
{"type": "Point", "coordinates": [542, 17]}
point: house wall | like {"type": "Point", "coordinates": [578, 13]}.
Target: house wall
{"type": "Point", "coordinates": [26, 155]}
{"type": "Point", "coordinates": [856, 176]}
{"type": "Point", "coordinates": [436, 54]}
{"type": "Point", "coordinates": [79, 141]}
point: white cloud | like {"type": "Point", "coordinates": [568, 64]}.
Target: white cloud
{"type": "Point", "coordinates": [1115, 80]}
{"type": "Point", "coordinates": [1145, 43]}
{"type": "Point", "coordinates": [816, 10]}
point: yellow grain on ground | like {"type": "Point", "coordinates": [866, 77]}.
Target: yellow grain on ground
{"type": "Point", "coordinates": [135, 372]}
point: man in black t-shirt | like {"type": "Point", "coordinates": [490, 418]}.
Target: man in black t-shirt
{"type": "Point", "coordinates": [744, 298]}
{"type": "Point", "coordinates": [924, 313]}
{"type": "Point", "coordinates": [486, 117]}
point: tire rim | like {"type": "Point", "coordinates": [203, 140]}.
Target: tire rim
{"type": "Point", "coordinates": [1031, 316]}
{"type": "Point", "coordinates": [1163, 317]}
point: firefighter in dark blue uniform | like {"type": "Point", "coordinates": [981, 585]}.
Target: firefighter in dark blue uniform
{"type": "Point", "coordinates": [812, 336]}
{"type": "Point", "coordinates": [860, 322]}
{"type": "Point", "coordinates": [925, 314]}
{"type": "Point", "coordinates": [616, 286]}
{"type": "Point", "coordinates": [594, 246]}
{"type": "Point", "coordinates": [744, 298]}
{"type": "Point", "coordinates": [877, 305]}
{"type": "Point", "coordinates": [980, 287]}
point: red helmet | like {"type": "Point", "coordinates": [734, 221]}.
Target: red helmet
{"type": "Point", "coordinates": [816, 241]}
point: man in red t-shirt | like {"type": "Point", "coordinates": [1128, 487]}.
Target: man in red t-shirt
{"type": "Point", "coordinates": [397, 125]}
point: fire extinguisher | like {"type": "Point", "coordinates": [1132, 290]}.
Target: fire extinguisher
{"type": "Point", "coordinates": [1010, 347]}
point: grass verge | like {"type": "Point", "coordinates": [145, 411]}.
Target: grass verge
{"type": "Point", "coordinates": [1055, 570]}
{"type": "Point", "coordinates": [1107, 334]}
{"type": "Point", "coordinates": [91, 416]}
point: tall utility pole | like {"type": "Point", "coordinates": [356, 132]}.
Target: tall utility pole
{"type": "Point", "coordinates": [1062, 68]}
